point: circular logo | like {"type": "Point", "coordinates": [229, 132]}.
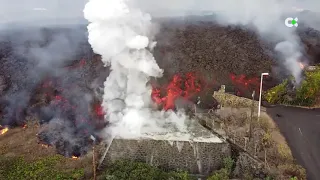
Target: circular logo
{"type": "Point", "coordinates": [291, 22]}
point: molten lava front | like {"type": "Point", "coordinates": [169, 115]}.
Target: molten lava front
{"type": "Point", "coordinates": [83, 121]}
{"type": "Point", "coordinates": [4, 130]}
{"type": "Point", "coordinates": [189, 85]}
{"type": "Point", "coordinates": [301, 65]}
{"type": "Point", "coordinates": [244, 84]}
{"type": "Point", "coordinates": [67, 118]}
{"type": "Point", "coordinates": [179, 87]}
{"type": "Point", "coordinates": [74, 157]}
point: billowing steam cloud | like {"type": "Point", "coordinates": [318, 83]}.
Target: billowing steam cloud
{"type": "Point", "coordinates": [122, 34]}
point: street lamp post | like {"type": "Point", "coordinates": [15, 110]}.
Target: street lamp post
{"type": "Point", "coordinates": [251, 117]}
{"type": "Point", "coordinates": [259, 106]}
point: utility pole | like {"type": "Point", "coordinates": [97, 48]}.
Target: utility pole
{"type": "Point", "coordinates": [251, 116]}
{"type": "Point", "coordinates": [94, 169]}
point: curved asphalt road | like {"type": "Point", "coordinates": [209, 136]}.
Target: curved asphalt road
{"type": "Point", "coordinates": [301, 128]}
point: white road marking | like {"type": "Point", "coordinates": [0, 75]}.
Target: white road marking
{"type": "Point", "coordinates": [300, 132]}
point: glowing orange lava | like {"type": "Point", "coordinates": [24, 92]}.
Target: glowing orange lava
{"type": "Point", "coordinates": [244, 83]}
{"type": "Point", "coordinates": [3, 131]}
{"type": "Point", "coordinates": [98, 110]}
{"type": "Point", "coordinates": [301, 65]}
{"type": "Point", "coordinates": [45, 145]}
{"type": "Point", "coordinates": [74, 157]}
{"type": "Point", "coordinates": [180, 86]}
{"type": "Point", "coordinates": [188, 85]}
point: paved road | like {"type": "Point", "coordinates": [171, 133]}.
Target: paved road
{"type": "Point", "coordinates": [301, 128]}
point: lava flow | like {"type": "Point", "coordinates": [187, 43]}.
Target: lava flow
{"type": "Point", "coordinates": [54, 97]}
{"type": "Point", "coordinates": [67, 117]}
{"type": "Point", "coordinates": [301, 65]}
{"type": "Point", "coordinates": [74, 157]}
{"type": "Point", "coordinates": [4, 130]}
{"type": "Point", "coordinates": [188, 85]}
{"type": "Point", "coordinates": [45, 145]}
{"type": "Point", "coordinates": [80, 64]}
{"type": "Point", "coordinates": [98, 110]}
{"type": "Point", "coordinates": [179, 87]}
{"type": "Point", "coordinates": [244, 84]}
{"type": "Point", "coordinates": [73, 115]}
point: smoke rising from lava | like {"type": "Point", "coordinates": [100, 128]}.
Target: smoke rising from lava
{"type": "Point", "coordinates": [122, 35]}
{"type": "Point", "coordinates": [31, 56]}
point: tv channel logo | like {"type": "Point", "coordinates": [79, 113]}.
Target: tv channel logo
{"type": "Point", "coordinates": [291, 22]}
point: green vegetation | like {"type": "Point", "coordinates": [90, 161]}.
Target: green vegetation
{"type": "Point", "coordinates": [45, 168]}
{"type": "Point", "coordinates": [13, 168]}
{"type": "Point", "coordinates": [276, 94]}
{"type": "Point", "coordinates": [305, 95]}
{"type": "Point", "coordinates": [309, 89]}
{"type": "Point", "coordinates": [225, 172]}
{"type": "Point", "coordinates": [293, 170]}
{"type": "Point", "coordinates": [129, 170]}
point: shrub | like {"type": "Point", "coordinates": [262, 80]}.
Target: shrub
{"type": "Point", "coordinates": [285, 153]}
{"type": "Point", "coordinates": [221, 174]}
{"type": "Point", "coordinates": [225, 172]}
{"type": "Point", "coordinates": [276, 94]}
{"type": "Point", "coordinates": [309, 89]}
{"type": "Point", "coordinates": [267, 140]}
{"type": "Point", "coordinates": [228, 163]}
{"type": "Point", "coordinates": [248, 176]}
{"type": "Point", "coordinates": [305, 95]}
{"type": "Point", "coordinates": [18, 168]}
{"type": "Point", "coordinates": [293, 171]}
{"type": "Point", "coordinates": [129, 170]}
{"type": "Point", "coordinates": [264, 123]}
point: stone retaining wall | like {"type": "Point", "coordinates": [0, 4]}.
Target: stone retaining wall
{"type": "Point", "coordinates": [197, 151]}
{"type": "Point", "coordinates": [194, 157]}
{"type": "Point", "coordinates": [245, 161]}
{"type": "Point", "coordinates": [230, 100]}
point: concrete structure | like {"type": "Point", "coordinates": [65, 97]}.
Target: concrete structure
{"type": "Point", "coordinates": [311, 68]}
{"type": "Point", "coordinates": [197, 151]}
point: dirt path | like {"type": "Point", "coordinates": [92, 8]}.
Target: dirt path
{"type": "Point", "coordinates": [301, 128]}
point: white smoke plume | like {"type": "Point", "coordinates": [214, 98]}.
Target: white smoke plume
{"type": "Point", "coordinates": [121, 35]}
